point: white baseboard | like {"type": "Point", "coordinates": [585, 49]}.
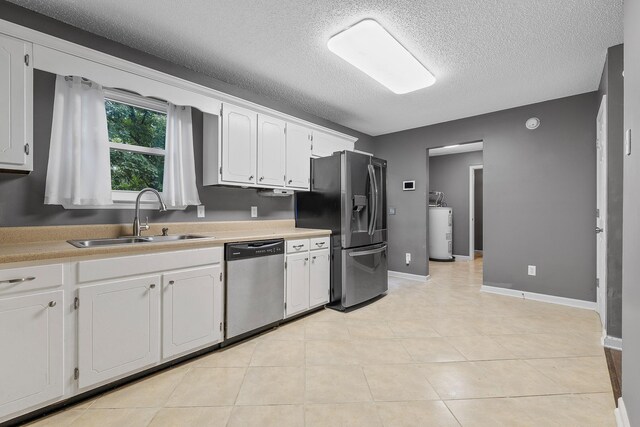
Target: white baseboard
{"type": "Point", "coordinates": [612, 342]}
{"type": "Point", "coordinates": [622, 418]}
{"type": "Point", "coordinates": [588, 305]}
{"type": "Point", "coordinates": [408, 276]}
{"type": "Point", "coordinates": [462, 257]}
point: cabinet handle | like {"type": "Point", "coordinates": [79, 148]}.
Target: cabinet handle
{"type": "Point", "coordinates": [290, 181]}
{"type": "Point", "coordinates": [319, 243]}
{"type": "Point", "coordinates": [251, 177]}
{"type": "Point", "coordinates": [261, 178]}
{"type": "Point", "coordinates": [296, 247]}
{"type": "Point", "coordinates": [52, 303]}
{"type": "Point", "coordinates": [171, 282]}
{"type": "Point", "coordinates": [16, 281]}
{"type": "Point", "coordinates": [152, 286]}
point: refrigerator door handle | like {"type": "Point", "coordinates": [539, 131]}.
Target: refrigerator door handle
{"type": "Point", "coordinates": [369, 252]}
{"type": "Point", "coordinates": [374, 205]}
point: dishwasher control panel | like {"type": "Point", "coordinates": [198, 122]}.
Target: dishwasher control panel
{"type": "Point", "coordinates": [237, 251]}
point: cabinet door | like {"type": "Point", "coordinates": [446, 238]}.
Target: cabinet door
{"type": "Point", "coordinates": [16, 83]}
{"type": "Point", "coordinates": [319, 278]}
{"type": "Point", "coordinates": [297, 283]}
{"type": "Point", "coordinates": [118, 328]}
{"type": "Point", "coordinates": [239, 144]}
{"type": "Point", "coordinates": [325, 144]}
{"type": "Point", "coordinates": [271, 151]}
{"type": "Point", "coordinates": [31, 333]}
{"type": "Point", "coordinates": [298, 156]}
{"type": "Point", "coordinates": [192, 305]}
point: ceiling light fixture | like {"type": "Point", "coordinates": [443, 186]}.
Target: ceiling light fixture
{"type": "Point", "coordinates": [370, 48]}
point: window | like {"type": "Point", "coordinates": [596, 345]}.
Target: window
{"type": "Point", "coordinates": [137, 129]}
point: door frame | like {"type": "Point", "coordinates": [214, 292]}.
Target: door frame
{"type": "Point", "coordinates": [602, 249]}
{"type": "Point", "coordinates": [472, 219]}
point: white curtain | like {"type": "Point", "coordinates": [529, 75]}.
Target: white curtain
{"type": "Point", "coordinates": [179, 184]}
{"type": "Point", "coordinates": [79, 172]}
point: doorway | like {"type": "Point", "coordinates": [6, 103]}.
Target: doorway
{"type": "Point", "coordinates": [475, 211]}
{"type": "Point", "coordinates": [601, 212]}
{"type": "Point", "coordinates": [452, 190]}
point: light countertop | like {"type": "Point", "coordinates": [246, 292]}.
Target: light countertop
{"type": "Point", "coordinates": [23, 244]}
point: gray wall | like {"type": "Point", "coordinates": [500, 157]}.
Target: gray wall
{"type": "Point", "coordinates": [631, 227]}
{"type": "Point", "coordinates": [539, 194]}
{"type": "Point", "coordinates": [477, 209]}
{"type": "Point", "coordinates": [612, 85]}
{"type": "Point", "coordinates": [450, 174]}
{"type": "Point", "coordinates": [21, 196]}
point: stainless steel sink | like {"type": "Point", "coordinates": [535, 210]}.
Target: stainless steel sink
{"type": "Point", "coordinates": [92, 243]}
{"type": "Point", "coordinates": [173, 238]}
{"type": "Point", "coordinates": [107, 242]}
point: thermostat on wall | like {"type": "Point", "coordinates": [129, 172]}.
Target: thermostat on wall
{"type": "Point", "coordinates": [408, 185]}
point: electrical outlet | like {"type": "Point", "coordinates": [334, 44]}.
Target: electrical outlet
{"type": "Point", "coordinates": [200, 211]}
{"type": "Point", "coordinates": [531, 270]}
{"type": "Point", "coordinates": [407, 258]}
{"type": "Point", "coordinates": [254, 212]}
{"type": "Point", "coordinates": [392, 211]}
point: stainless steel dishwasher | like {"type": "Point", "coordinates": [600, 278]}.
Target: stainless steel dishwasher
{"type": "Point", "coordinates": [255, 285]}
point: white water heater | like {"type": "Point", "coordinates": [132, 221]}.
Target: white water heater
{"type": "Point", "coordinates": [440, 233]}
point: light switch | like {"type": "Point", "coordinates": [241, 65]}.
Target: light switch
{"type": "Point", "coordinates": [200, 211]}
{"type": "Point", "coordinates": [254, 212]}
{"type": "Point", "coordinates": [392, 211]}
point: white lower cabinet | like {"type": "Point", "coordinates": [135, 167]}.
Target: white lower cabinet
{"type": "Point", "coordinates": [31, 337]}
{"type": "Point", "coordinates": [307, 279]}
{"type": "Point", "coordinates": [297, 283]}
{"type": "Point", "coordinates": [192, 309]}
{"type": "Point", "coordinates": [319, 277]}
{"type": "Point", "coordinates": [118, 328]}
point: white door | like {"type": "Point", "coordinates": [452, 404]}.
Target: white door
{"type": "Point", "coordinates": [298, 156]}
{"type": "Point", "coordinates": [271, 151]}
{"type": "Point", "coordinates": [319, 278]}
{"type": "Point", "coordinates": [118, 328]}
{"type": "Point", "coordinates": [31, 337]}
{"type": "Point", "coordinates": [192, 305]}
{"type": "Point", "coordinates": [601, 212]}
{"type": "Point", "coordinates": [16, 82]}
{"type": "Point", "coordinates": [239, 144]}
{"type": "Point", "coordinates": [297, 283]}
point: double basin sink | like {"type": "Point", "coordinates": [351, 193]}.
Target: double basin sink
{"type": "Point", "coordinates": [131, 240]}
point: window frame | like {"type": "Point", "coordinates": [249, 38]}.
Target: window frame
{"type": "Point", "coordinates": [124, 199]}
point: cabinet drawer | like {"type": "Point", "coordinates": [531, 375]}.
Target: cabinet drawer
{"type": "Point", "coordinates": [133, 265]}
{"type": "Point", "coordinates": [13, 280]}
{"type": "Point", "coordinates": [319, 243]}
{"type": "Point", "coordinates": [295, 246]}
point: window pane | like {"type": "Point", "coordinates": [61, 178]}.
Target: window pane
{"type": "Point", "coordinates": [135, 171]}
{"type": "Point", "coordinates": [135, 125]}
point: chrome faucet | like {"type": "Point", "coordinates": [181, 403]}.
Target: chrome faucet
{"type": "Point", "coordinates": [137, 227]}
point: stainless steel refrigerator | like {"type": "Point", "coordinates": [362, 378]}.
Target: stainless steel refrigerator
{"type": "Point", "coordinates": [348, 196]}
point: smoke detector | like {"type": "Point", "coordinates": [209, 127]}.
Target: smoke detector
{"type": "Point", "coordinates": [532, 123]}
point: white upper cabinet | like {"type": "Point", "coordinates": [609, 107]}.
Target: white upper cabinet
{"type": "Point", "coordinates": [298, 157]}
{"type": "Point", "coordinates": [31, 333]}
{"type": "Point", "coordinates": [239, 137]}
{"type": "Point", "coordinates": [271, 151]}
{"type": "Point", "coordinates": [118, 328]}
{"type": "Point", "coordinates": [16, 111]}
{"type": "Point", "coordinates": [325, 144]}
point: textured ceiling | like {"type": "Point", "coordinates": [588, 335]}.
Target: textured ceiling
{"type": "Point", "coordinates": [487, 55]}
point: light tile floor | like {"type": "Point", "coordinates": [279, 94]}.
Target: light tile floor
{"type": "Point", "coordinates": [439, 353]}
